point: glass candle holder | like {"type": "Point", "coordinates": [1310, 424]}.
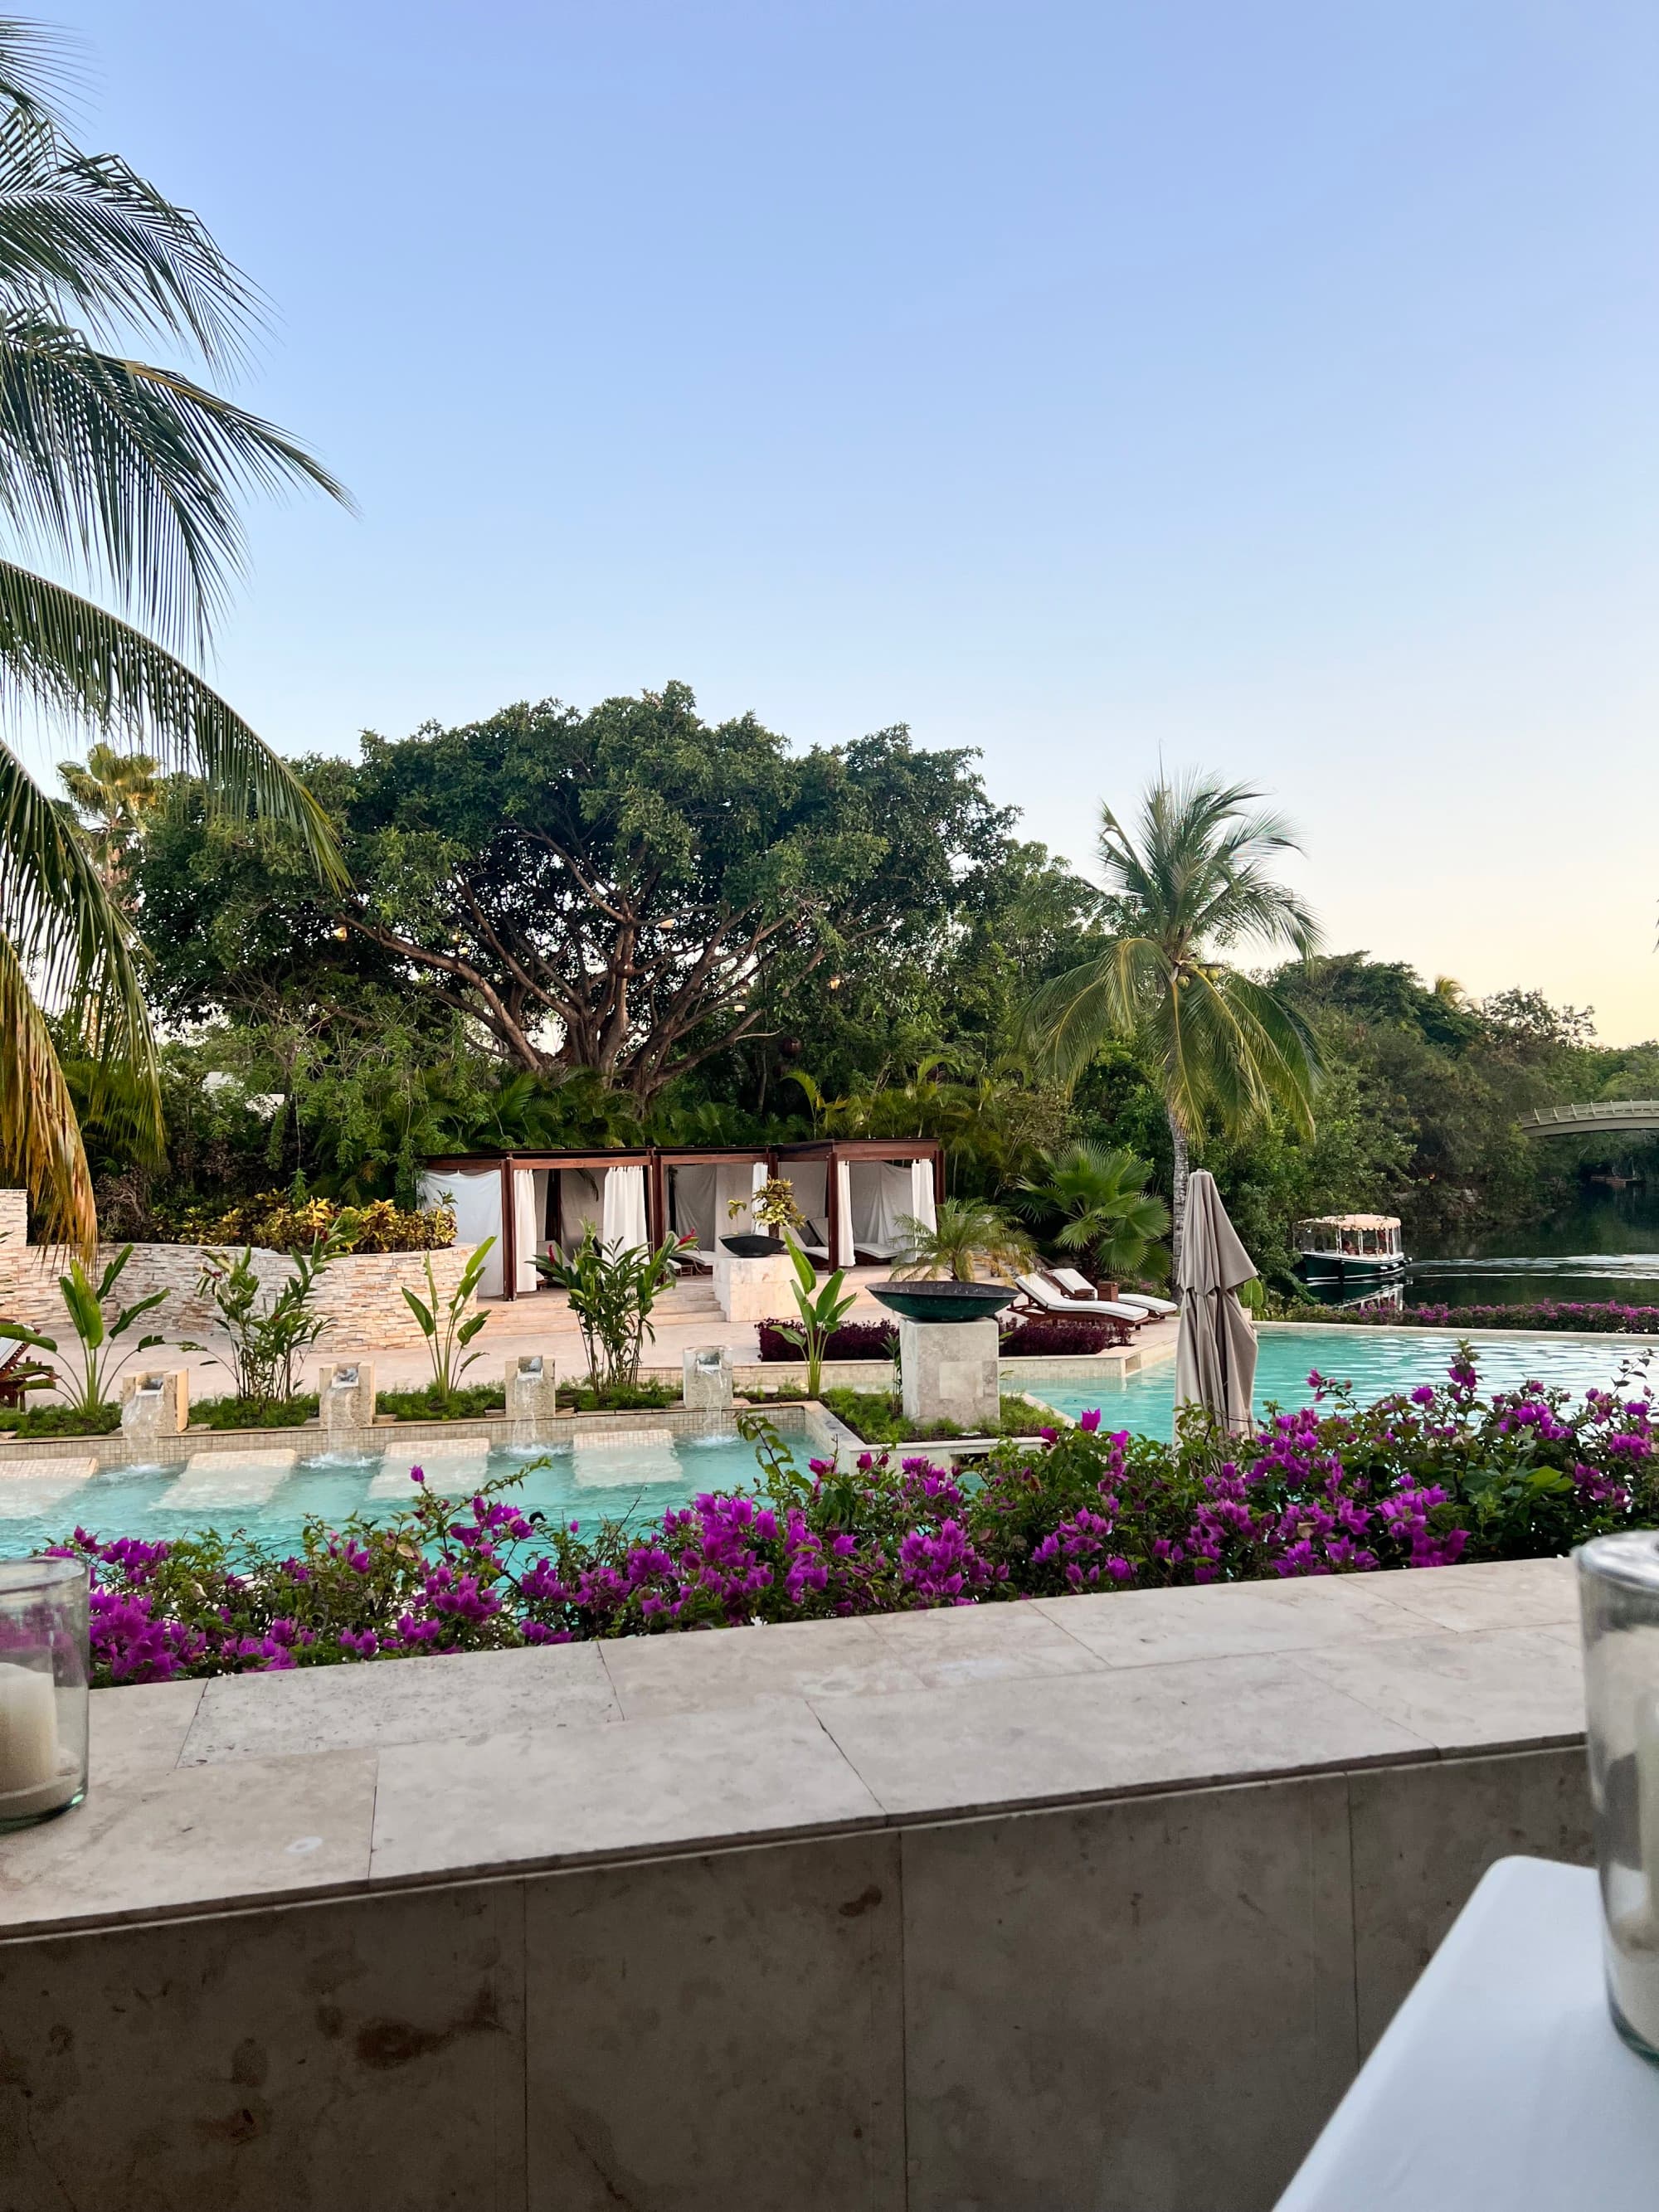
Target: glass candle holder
{"type": "Point", "coordinates": [43, 1679]}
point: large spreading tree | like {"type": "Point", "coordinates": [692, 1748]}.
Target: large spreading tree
{"type": "Point", "coordinates": [630, 891]}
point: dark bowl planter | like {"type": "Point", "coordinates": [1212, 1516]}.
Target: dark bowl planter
{"type": "Point", "coordinates": [944, 1301]}
{"type": "Point", "coordinates": [754, 1248]}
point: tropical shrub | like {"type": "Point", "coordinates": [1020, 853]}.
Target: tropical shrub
{"type": "Point", "coordinates": [275, 1223]}
{"type": "Point", "coordinates": [966, 1235]}
{"type": "Point", "coordinates": [1417, 1479]}
{"type": "Point", "coordinates": [612, 1290]}
{"type": "Point", "coordinates": [1053, 1336]}
{"type": "Point", "coordinates": [98, 1320]}
{"type": "Point", "coordinates": [268, 1329]}
{"type": "Point", "coordinates": [852, 1340]}
{"type": "Point", "coordinates": [1610, 1318]}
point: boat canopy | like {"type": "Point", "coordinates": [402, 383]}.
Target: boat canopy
{"type": "Point", "coordinates": [1353, 1235]}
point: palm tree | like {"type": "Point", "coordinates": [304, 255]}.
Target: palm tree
{"type": "Point", "coordinates": [967, 1233]}
{"type": "Point", "coordinates": [1196, 881]}
{"type": "Point", "coordinates": [118, 792]}
{"type": "Point", "coordinates": [128, 475]}
{"type": "Point", "coordinates": [1105, 1208]}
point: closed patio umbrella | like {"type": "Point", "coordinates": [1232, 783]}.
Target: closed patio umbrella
{"type": "Point", "coordinates": [1215, 1351]}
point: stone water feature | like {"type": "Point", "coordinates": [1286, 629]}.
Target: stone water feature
{"type": "Point", "coordinates": [948, 1351]}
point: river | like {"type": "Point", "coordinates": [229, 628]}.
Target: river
{"type": "Point", "coordinates": [1606, 1246]}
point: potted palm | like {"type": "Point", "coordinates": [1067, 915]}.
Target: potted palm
{"type": "Point", "coordinates": [775, 1215]}
{"type": "Point", "coordinates": [937, 1275]}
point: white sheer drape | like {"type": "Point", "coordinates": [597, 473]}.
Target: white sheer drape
{"type": "Point", "coordinates": [623, 1223]}
{"type": "Point", "coordinates": [476, 1196]}
{"type": "Point", "coordinates": [527, 1220]}
{"type": "Point", "coordinates": [580, 1204]}
{"type": "Point", "coordinates": [922, 1193]}
{"type": "Point", "coordinates": [881, 1196]}
{"type": "Point", "coordinates": [844, 1246]}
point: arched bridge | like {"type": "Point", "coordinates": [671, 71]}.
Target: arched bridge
{"type": "Point", "coordinates": [1594, 1120]}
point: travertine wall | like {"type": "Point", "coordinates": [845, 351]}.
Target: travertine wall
{"type": "Point", "coordinates": [361, 1292]}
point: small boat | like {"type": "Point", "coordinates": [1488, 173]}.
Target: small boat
{"type": "Point", "coordinates": [1350, 1246]}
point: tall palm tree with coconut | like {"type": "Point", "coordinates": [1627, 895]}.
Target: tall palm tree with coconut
{"type": "Point", "coordinates": [1196, 879]}
{"type": "Point", "coordinates": [127, 477]}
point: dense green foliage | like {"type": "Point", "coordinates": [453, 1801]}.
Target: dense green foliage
{"type": "Point", "coordinates": [858, 933]}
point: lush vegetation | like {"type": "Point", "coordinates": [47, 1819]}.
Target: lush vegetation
{"type": "Point", "coordinates": [126, 475]}
{"type": "Point", "coordinates": [1607, 1317]}
{"type": "Point", "coordinates": [877, 1416]}
{"type": "Point", "coordinates": [1440, 1475]}
{"type": "Point", "coordinates": [322, 1062]}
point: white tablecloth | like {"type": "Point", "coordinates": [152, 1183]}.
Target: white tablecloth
{"type": "Point", "coordinates": [1500, 2085]}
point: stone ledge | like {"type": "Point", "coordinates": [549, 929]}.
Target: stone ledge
{"type": "Point", "coordinates": [448, 1769]}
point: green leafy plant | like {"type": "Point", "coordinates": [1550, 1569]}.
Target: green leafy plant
{"type": "Point", "coordinates": [269, 1332]}
{"type": "Point", "coordinates": [613, 1291]}
{"type": "Point", "coordinates": [1106, 1211]}
{"type": "Point", "coordinates": [447, 1326]}
{"type": "Point", "coordinates": [968, 1234]}
{"type": "Point", "coordinates": [772, 1208]}
{"type": "Point", "coordinates": [821, 1309]}
{"type": "Point", "coordinates": [95, 1332]}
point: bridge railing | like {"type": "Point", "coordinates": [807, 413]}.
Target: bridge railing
{"type": "Point", "coordinates": [1594, 1114]}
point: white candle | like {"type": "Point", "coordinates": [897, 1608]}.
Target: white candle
{"type": "Point", "coordinates": [30, 1780]}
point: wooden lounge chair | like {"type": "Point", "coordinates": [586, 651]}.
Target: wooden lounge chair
{"type": "Point", "coordinates": [1041, 1297]}
{"type": "Point", "coordinates": [1160, 1309]}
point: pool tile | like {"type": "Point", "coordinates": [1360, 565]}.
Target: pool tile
{"type": "Point", "coordinates": [454, 1467]}
{"type": "Point", "coordinates": [228, 1477]}
{"type": "Point", "coordinates": [28, 1486]}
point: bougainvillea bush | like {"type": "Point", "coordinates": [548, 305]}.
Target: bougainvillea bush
{"type": "Point", "coordinates": [1416, 1481]}
{"type": "Point", "coordinates": [1599, 1318]}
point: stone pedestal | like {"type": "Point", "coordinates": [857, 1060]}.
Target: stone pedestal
{"type": "Point", "coordinates": [755, 1290]}
{"type": "Point", "coordinates": [532, 1387]}
{"type": "Point", "coordinates": [155, 1402]}
{"type": "Point", "coordinates": [707, 1384]}
{"type": "Point", "coordinates": [346, 1395]}
{"type": "Point", "coordinates": [948, 1371]}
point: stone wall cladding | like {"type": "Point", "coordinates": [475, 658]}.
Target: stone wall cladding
{"type": "Point", "coordinates": [361, 1292]}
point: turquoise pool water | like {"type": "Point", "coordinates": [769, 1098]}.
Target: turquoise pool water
{"type": "Point", "coordinates": [630, 1478]}
{"type": "Point", "coordinates": [1375, 1361]}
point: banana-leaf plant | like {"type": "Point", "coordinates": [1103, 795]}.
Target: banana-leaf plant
{"type": "Point", "coordinates": [95, 1332]}
{"type": "Point", "coordinates": [612, 1291]}
{"type": "Point", "coordinates": [821, 1309]}
{"type": "Point", "coordinates": [447, 1325]}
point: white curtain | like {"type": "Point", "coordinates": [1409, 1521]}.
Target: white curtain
{"type": "Point", "coordinates": [579, 1205]}
{"type": "Point", "coordinates": [881, 1194]}
{"type": "Point", "coordinates": [691, 1205]}
{"type": "Point", "coordinates": [623, 1223]}
{"type": "Point", "coordinates": [475, 1196]}
{"type": "Point", "coordinates": [809, 1180]}
{"type": "Point", "coordinates": [844, 1250]}
{"type": "Point", "coordinates": [527, 1219]}
{"type": "Point", "coordinates": [922, 1193]}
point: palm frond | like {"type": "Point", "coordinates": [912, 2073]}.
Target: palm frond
{"type": "Point", "coordinates": [1068, 1018]}
{"type": "Point", "coordinates": [76, 946]}
{"type": "Point", "coordinates": [40, 1146]}
{"type": "Point", "coordinates": [134, 471]}
{"type": "Point", "coordinates": [61, 653]}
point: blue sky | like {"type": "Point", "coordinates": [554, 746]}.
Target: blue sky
{"type": "Point", "coordinates": [1268, 387]}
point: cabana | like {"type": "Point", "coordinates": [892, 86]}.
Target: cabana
{"type": "Point", "coordinates": [531, 1201]}
{"type": "Point", "coordinates": [693, 1192]}
{"type": "Point", "coordinates": [856, 1190]}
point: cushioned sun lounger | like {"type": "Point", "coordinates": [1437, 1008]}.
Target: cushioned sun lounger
{"type": "Point", "coordinates": [1152, 1305]}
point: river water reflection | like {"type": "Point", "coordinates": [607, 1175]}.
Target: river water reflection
{"type": "Point", "coordinates": [1605, 1247]}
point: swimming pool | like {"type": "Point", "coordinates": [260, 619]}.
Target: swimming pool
{"type": "Point", "coordinates": [1375, 1361]}
{"type": "Point", "coordinates": [630, 1475]}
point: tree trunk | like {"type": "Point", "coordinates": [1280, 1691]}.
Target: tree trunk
{"type": "Point", "coordinates": [1177, 1193]}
